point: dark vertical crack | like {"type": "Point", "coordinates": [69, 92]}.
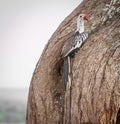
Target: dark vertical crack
{"type": "Point", "coordinates": [118, 117]}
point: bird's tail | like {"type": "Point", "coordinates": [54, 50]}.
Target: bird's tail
{"type": "Point", "coordinates": [67, 78]}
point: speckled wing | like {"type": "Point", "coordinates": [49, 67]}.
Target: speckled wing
{"type": "Point", "coordinates": [68, 43]}
{"type": "Point", "coordinates": [74, 42]}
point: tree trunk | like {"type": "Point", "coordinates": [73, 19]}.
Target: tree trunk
{"type": "Point", "coordinates": [94, 97]}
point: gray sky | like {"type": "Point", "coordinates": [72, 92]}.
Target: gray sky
{"type": "Point", "coordinates": [25, 28]}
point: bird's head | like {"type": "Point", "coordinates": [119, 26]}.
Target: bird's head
{"type": "Point", "coordinates": [80, 22]}
{"type": "Point", "coordinates": [84, 16]}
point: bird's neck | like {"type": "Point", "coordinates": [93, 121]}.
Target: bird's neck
{"type": "Point", "coordinates": [80, 25]}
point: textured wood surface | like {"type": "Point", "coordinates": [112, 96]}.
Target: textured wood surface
{"type": "Point", "coordinates": [94, 97]}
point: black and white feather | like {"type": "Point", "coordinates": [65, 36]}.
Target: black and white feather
{"type": "Point", "coordinates": [73, 43]}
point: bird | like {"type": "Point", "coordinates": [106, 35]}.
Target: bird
{"type": "Point", "coordinates": [71, 45]}
{"type": "Point", "coordinates": [76, 39]}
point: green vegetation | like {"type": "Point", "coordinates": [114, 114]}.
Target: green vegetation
{"type": "Point", "coordinates": [12, 114]}
{"type": "Point", "coordinates": [12, 110]}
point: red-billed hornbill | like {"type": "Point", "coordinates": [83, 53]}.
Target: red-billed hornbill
{"type": "Point", "coordinates": [71, 45]}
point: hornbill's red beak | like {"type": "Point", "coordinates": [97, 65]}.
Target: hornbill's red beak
{"type": "Point", "coordinates": [85, 17]}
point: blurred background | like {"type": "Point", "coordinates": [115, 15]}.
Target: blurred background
{"type": "Point", "coordinates": [25, 28]}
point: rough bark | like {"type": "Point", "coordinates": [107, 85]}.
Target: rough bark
{"type": "Point", "coordinates": [94, 97]}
